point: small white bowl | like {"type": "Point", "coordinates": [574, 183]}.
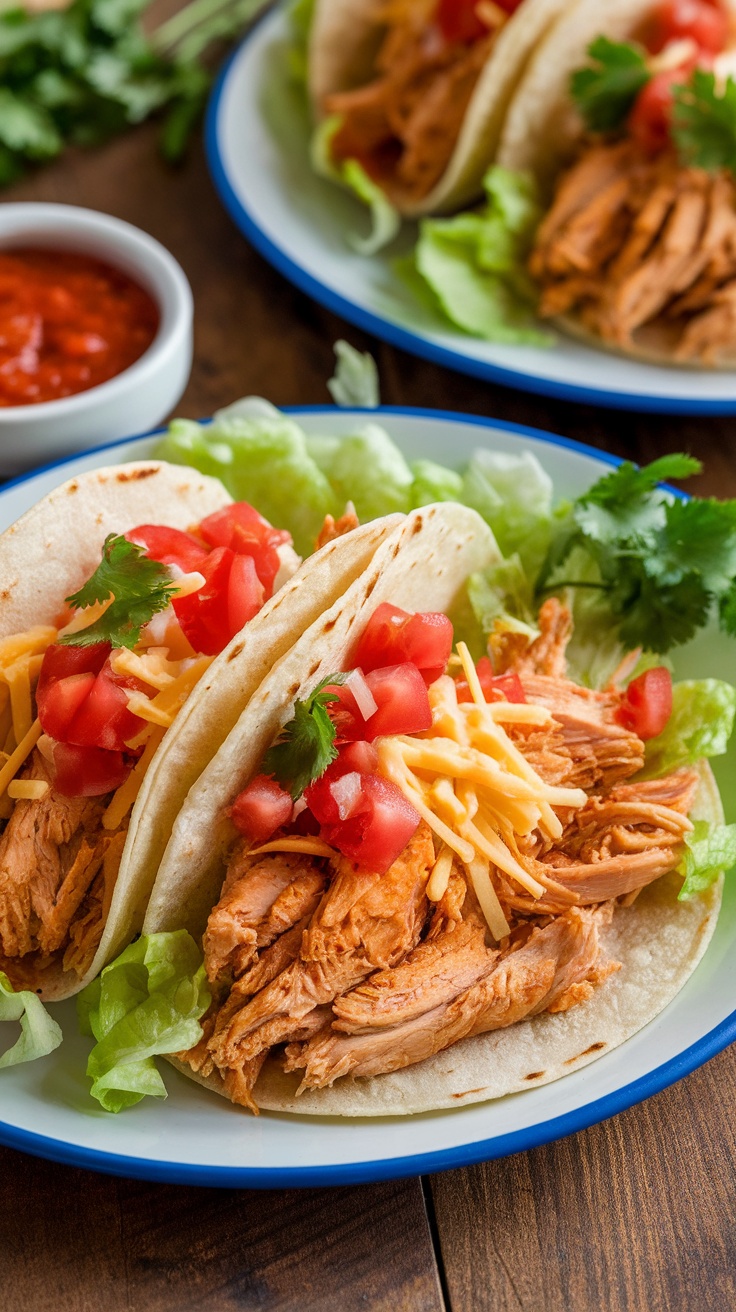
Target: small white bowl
{"type": "Point", "coordinates": [135, 400]}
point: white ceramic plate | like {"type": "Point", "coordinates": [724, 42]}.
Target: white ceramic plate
{"type": "Point", "coordinates": [257, 146]}
{"type": "Point", "coordinates": [198, 1138]}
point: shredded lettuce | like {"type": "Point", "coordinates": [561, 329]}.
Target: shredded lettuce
{"type": "Point", "coordinates": [701, 724]}
{"type": "Point", "coordinates": [355, 381]}
{"type": "Point", "coordinates": [300, 14]}
{"type": "Point", "coordinates": [475, 263]}
{"type": "Point", "coordinates": [433, 482]}
{"type": "Point", "coordinates": [39, 1034]}
{"type": "Point", "coordinates": [514, 496]}
{"type": "Point", "coordinates": [349, 173]}
{"type": "Point", "coordinates": [148, 1001]}
{"type": "Point", "coordinates": [710, 850]}
{"type": "Point", "coordinates": [369, 470]}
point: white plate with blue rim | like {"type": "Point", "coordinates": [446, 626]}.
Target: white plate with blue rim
{"type": "Point", "coordinates": [258, 151]}
{"type": "Point", "coordinates": [196, 1137]}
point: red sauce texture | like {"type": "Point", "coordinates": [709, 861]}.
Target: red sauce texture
{"type": "Point", "coordinates": [67, 323]}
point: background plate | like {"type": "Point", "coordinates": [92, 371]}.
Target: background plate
{"type": "Point", "coordinates": [197, 1138]}
{"type": "Point", "coordinates": [257, 147]}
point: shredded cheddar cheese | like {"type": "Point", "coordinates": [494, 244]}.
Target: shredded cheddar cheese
{"type": "Point", "coordinates": [30, 790]}
{"type": "Point", "coordinates": [16, 758]}
{"type": "Point", "coordinates": [309, 846]}
{"type": "Point", "coordinates": [122, 800]}
{"type": "Point", "coordinates": [440, 876]}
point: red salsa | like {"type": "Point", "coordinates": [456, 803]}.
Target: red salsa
{"type": "Point", "coordinates": [67, 323]}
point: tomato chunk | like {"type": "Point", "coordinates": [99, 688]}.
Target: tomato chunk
{"type": "Point", "coordinates": [379, 828]}
{"type": "Point", "coordinates": [704, 21]}
{"type": "Point", "coordinates": [458, 21]}
{"type": "Point", "coordinates": [647, 703]}
{"type": "Point", "coordinates": [400, 694]}
{"type": "Point", "coordinates": [170, 546]}
{"type": "Point", "coordinates": [244, 531]}
{"type": "Point", "coordinates": [393, 636]}
{"type": "Point", "coordinates": [88, 771]}
{"type": "Point", "coordinates": [357, 758]}
{"type": "Point", "coordinates": [230, 595]}
{"type": "Point", "coordinates": [81, 701]}
{"type": "Point", "coordinates": [495, 687]}
{"type": "Point", "coordinates": [262, 808]}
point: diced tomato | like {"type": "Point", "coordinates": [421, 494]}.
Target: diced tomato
{"type": "Point", "coordinates": [647, 703]}
{"type": "Point", "coordinates": [262, 808]}
{"type": "Point", "coordinates": [495, 687]}
{"type": "Point", "coordinates": [244, 531]}
{"type": "Point", "coordinates": [357, 758]}
{"type": "Point", "coordinates": [651, 118]}
{"type": "Point", "coordinates": [230, 595]}
{"type": "Point", "coordinates": [103, 719]}
{"type": "Point", "coordinates": [88, 771]}
{"type": "Point", "coordinates": [403, 705]}
{"type": "Point", "coordinates": [170, 546]}
{"type": "Point", "coordinates": [379, 828]}
{"type": "Point", "coordinates": [393, 636]}
{"type": "Point", "coordinates": [61, 701]}
{"type": "Point", "coordinates": [80, 701]}
{"type": "Point", "coordinates": [458, 21]}
{"type": "Point", "coordinates": [704, 21]}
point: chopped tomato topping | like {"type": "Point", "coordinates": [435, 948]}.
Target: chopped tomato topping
{"type": "Point", "coordinates": [704, 21]}
{"type": "Point", "coordinates": [651, 118]}
{"type": "Point", "coordinates": [262, 808]}
{"type": "Point", "coordinates": [170, 546]}
{"type": "Point", "coordinates": [458, 21]}
{"type": "Point", "coordinates": [354, 759]}
{"type": "Point", "coordinates": [88, 771]}
{"type": "Point", "coordinates": [393, 636]}
{"type": "Point", "coordinates": [647, 703]}
{"type": "Point", "coordinates": [400, 694]}
{"type": "Point", "coordinates": [244, 531]}
{"type": "Point", "coordinates": [495, 687]}
{"type": "Point", "coordinates": [231, 595]}
{"type": "Point", "coordinates": [380, 824]}
{"type": "Point", "coordinates": [81, 701]}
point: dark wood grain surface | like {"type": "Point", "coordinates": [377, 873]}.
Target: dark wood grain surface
{"type": "Point", "coordinates": [632, 1215]}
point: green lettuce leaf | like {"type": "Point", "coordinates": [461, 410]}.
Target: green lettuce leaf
{"type": "Point", "coordinates": [701, 724]}
{"type": "Point", "coordinates": [514, 496]}
{"type": "Point", "coordinates": [710, 850]}
{"type": "Point", "coordinates": [300, 15]}
{"type": "Point", "coordinates": [385, 219]}
{"type": "Point", "coordinates": [147, 1002]}
{"type": "Point", "coordinates": [355, 381]}
{"type": "Point", "coordinates": [369, 470]}
{"type": "Point", "coordinates": [39, 1034]}
{"type": "Point", "coordinates": [433, 482]}
{"type": "Point", "coordinates": [475, 263]}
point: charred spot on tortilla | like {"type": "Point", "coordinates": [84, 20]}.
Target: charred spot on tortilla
{"type": "Point", "coordinates": [535, 1075]}
{"type": "Point", "coordinates": [136, 475]}
{"type": "Point", "coordinates": [417, 528]}
{"type": "Point", "coordinates": [329, 625]}
{"type": "Point", "coordinates": [236, 651]}
{"type": "Point", "coordinates": [370, 587]}
{"type": "Point", "coordinates": [72, 487]}
{"type": "Point", "coordinates": [469, 1092]}
{"type": "Point", "coordinates": [594, 1047]}
{"type": "Point", "coordinates": [313, 670]}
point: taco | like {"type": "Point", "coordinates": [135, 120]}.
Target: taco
{"type": "Point", "coordinates": [141, 608]}
{"type": "Point", "coordinates": [627, 118]}
{"type": "Point", "coordinates": [420, 882]}
{"type": "Point", "coordinates": [414, 92]}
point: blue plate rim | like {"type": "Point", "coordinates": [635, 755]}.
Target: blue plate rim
{"type": "Point", "coordinates": [655, 1081]}
{"type": "Point", "coordinates": [392, 333]}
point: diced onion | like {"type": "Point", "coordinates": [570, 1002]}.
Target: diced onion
{"type": "Point", "coordinates": [365, 701]}
{"type": "Point", "coordinates": [346, 792]}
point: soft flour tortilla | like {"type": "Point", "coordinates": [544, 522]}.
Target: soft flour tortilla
{"type": "Point", "coordinates": [55, 547]}
{"type": "Point", "coordinates": [344, 40]}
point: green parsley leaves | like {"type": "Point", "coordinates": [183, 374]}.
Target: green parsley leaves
{"type": "Point", "coordinates": [704, 126]}
{"type": "Point", "coordinates": [663, 564]}
{"type": "Point", "coordinates": [140, 588]}
{"type": "Point", "coordinates": [605, 91]}
{"type": "Point", "coordinates": [306, 745]}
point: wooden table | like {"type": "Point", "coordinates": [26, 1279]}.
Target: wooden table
{"type": "Point", "coordinates": [632, 1215]}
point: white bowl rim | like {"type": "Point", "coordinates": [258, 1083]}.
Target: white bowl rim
{"type": "Point", "coordinates": [175, 316]}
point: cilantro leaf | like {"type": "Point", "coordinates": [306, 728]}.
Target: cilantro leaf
{"type": "Point", "coordinates": [306, 745]}
{"type": "Point", "coordinates": [704, 122]}
{"type": "Point", "coordinates": [605, 91]}
{"type": "Point", "coordinates": [663, 565]}
{"type": "Point", "coordinates": [140, 588]}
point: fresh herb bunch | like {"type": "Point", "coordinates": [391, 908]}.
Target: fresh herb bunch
{"type": "Point", "coordinates": [139, 588]}
{"type": "Point", "coordinates": [664, 564]}
{"type": "Point", "coordinates": [80, 75]}
{"type": "Point", "coordinates": [307, 743]}
{"type": "Point", "coordinates": [704, 118]}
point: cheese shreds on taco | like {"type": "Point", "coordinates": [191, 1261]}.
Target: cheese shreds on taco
{"type": "Point", "coordinates": [397, 853]}
{"type": "Point", "coordinates": [141, 609]}
{"type": "Point", "coordinates": [628, 114]}
{"type": "Point", "coordinates": [414, 92]}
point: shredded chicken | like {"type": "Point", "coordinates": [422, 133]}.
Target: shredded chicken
{"type": "Point", "coordinates": [57, 873]}
{"type": "Point", "coordinates": [403, 126]}
{"type": "Point", "coordinates": [633, 240]}
{"type": "Point", "coordinates": [332, 528]}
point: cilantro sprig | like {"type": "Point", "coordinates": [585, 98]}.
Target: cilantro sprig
{"type": "Point", "coordinates": [306, 745]}
{"type": "Point", "coordinates": [606, 89]}
{"type": "Point", "coordinates": [704, 122]}
{"type": "Point", "coordinates": [140, 588]}
{"type": "Point", "coordinates": [664, 565]}
{"type": "Point", "coordinates": [82, 74]}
